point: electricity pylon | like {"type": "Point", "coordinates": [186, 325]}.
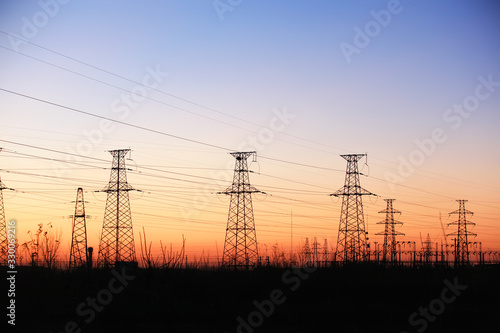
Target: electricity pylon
{"type": "Point", "coordinates": [3, 229]}
{"type": "Point", "coordinates": [326, 254]}
{"type": "Point", "coordinates": [389, 249]}
{"type": "Point", "coordinates": [240, 245]}
{"type": "Point", "coordinates": [462, 243]}
{"type": "Point", "coordinates": [351, 241]}
{"type": "Point", "coordinates": [426, 248]}
{"type": "Point", "coordinates": [78, 251]}
{"type": "Point", "coordinates": [306, 251]}
{"type": "Point", "coordinates": [117, 237]}
{"type": "Point", "coordinates": [315, 252]}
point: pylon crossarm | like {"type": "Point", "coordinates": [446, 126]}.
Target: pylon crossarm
{"type": "Point", "coordinates": [346, 191]}
{"type": "Point", "coordinates": [465, 211]}
{"type": "Point", "coordinates": [394, 211]}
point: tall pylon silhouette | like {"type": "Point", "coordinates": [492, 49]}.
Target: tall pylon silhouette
{"type": "Point", "coordinates": [462, 234]}
{"type": "Point", "coordinates": [3, 229]}
{"type": "Point", "coordinates": [389, 251]}
{"type": "Point", "coordinates": [351, 241]}
{"type": "Point", "coordinates": [240, 245]}
{"type": "Point", "coordinates": [117, 237]}
{"type": "Point", "coordinates": [78, 252]}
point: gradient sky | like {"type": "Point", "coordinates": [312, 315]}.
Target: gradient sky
{"type": "Point", "coordinates": [223, 78]}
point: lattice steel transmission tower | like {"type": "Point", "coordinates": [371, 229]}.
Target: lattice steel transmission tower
{"type": "Point", "coordinates": [351, 241]}
{"type": "Point", "coordinates": [117, 237]}
{"type": "Point", "coordinates": [326, 254]}
{"type": "Point", "coordinates": [426, 248]}
{"type": "Point", "coordinates": [389, 251]}
{"type": "Point", "coordinates": [315, 252]}
{"type": "Point", "coordinates": [462, 242]}
{"type": "Point", "coordinates": [3, 228]}
{"type": "Point", "coordinates": [240, 245]}
{"type": "Point", "coordinates": [306, 252]}
{"type": "Point", "coordinates": [78, 252]}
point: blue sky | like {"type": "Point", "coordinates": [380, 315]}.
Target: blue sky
{"type": "Point", "coordinates": [263, 56]}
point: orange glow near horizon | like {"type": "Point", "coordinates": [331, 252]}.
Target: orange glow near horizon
{"type": "Point", "coordinates": [182, 88]}
{"type": "Point", "coordinates": [285, 216]}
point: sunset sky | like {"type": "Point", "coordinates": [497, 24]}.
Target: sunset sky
{"type": "Point", "coordinates": [414, 84]}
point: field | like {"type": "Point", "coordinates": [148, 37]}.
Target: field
{"type": "Point", "coordinates": [369, 298]}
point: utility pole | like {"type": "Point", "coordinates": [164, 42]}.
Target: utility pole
{"type": "Point", "coordinates": [117, 237]}
{"type": "Point", "coordinates": [351, 240]}
{"type": "Point", "coordinates": [240, 245]}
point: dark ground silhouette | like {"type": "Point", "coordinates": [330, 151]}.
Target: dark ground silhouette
{"type": "Point", "coordinates": [351, 299]}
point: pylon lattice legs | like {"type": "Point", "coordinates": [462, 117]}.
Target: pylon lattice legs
{"type": "Point", "coordinates": [117, 237]}
{"type": "Point", "coordinates": [462, 234]}
{"type": "Point", "coordinates": [351, 241]}
{"type": "Point", "coordinates": [78, 250]}
{"type": "Point", "coordinates": [389, 248]}
{"type": "Point", "coordinates": [240, 245]}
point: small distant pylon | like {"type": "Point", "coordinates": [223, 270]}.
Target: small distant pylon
{"type": "Point", "coordinates": [240, 245]}
{"type": "Point", "coordinates": [326, 254]}
{"type": "Point", "coordinates": [78, 251]}
{"type": "Point", "coordinates": [117, 237]}
{"type": "Point", "coordinates": [389, 252]}
{"type": "Point", "coordinates": [351, 240]}
{"type": "Point", "coordinates": [307, 253]}
{"type": "Point", "coordinates": [315, 250]}
{"type": "Point", "coordinates": [462, 234]}
{"type": "Point", "coordinates": [427, 249]}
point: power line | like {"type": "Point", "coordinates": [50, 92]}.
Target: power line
{"type": "Point", "coordinates": [114, 120]}
{"type": "Point", "coordinates": [423, 191]}
{"type": "Point", "coordinates": [163, 103]}
{"type": "Point", "coordinates": [301, 164]}
{"type": "Point", "coordinates": [170, 95]}
{"type": "Point", "coordinates": [157, 90]}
